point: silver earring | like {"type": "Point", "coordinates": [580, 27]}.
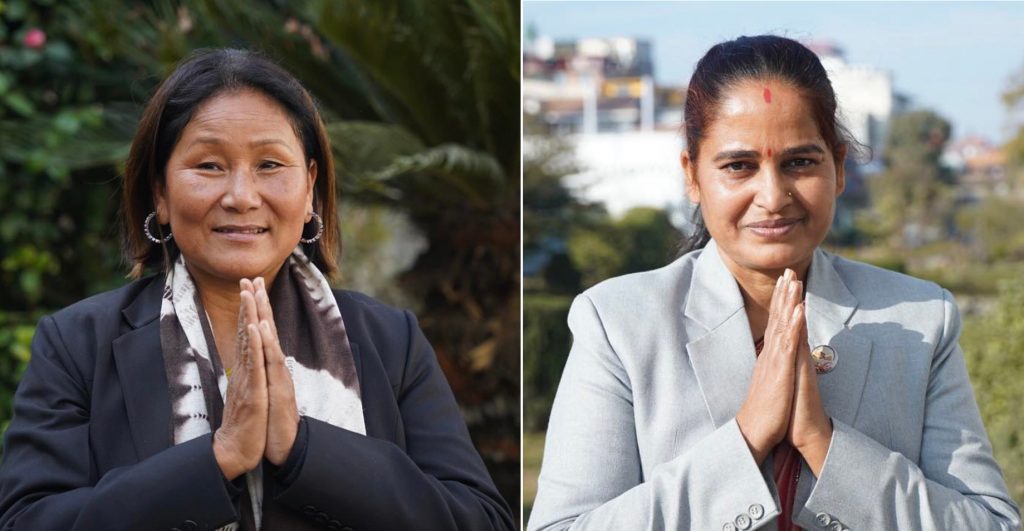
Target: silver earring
{"type": "Point", "coordinates": [154, 239]}
{"type": "Point", "coordinates": [319, 230]}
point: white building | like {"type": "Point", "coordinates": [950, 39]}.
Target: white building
{"type": "Point", "coordinates": [631, 169]}
{"type": "Point", "coordinates": [866, 98]}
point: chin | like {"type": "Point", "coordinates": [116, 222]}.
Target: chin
{"type": "Point", "coordinates": [778, 256]}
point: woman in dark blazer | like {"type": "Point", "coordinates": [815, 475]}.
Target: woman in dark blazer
{"type": "Point", "coordinates": [315, 408]}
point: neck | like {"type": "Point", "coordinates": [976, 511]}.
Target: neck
{"type": "Point", "coordinates": [222, 297]}
{"type": "Point", "coordinates": [757, 286]}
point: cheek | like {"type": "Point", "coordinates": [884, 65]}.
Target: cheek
{"type": "Point", "coordinates": [189, 198]}
{"type": "Point", "coordinates": [724, 205]}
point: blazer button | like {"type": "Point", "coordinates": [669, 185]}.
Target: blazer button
{"type": "Point", "coordinates": [309, 510]}
{"type": "Point", "coordinates": [321, 517]}
{"type": "Point", "coordinates": [333, 524]}
{"type": "Point", "coordinates": [190, 526]}
{"type": "Point", "coordinates": [836, 525]}
{"type": "Point", "coordinates": [728, 527]}
{"type": "Point", "coordinates": [756, 511]}
{"type": "Point", "coordinates": [743, 521]}
{"type": "Point", "coordinates": [822, 519]}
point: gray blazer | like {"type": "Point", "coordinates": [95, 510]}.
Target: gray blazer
{"type": "Point", "coordinates": [643, 433]}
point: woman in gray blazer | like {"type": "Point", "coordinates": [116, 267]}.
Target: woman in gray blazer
{"type": "Point", "coordinates": [759, 382]}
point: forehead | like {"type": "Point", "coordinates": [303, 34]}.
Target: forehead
{"type": "Point", "coordinates": [757, 114]}
{"type": "Point", "coordinates": [241, 112]}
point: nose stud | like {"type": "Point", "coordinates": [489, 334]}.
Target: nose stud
{"type": "Point", "coordinates": [790, 194]}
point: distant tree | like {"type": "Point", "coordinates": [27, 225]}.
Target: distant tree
{"type": "Point", "coordinates": [1013, 99]}
{"type": "Point", "coordinates": [912, 199]}
{"type": "Point", "coordinates": [993, 228]}
{"type": "Point", "coordinates": [641, 240]}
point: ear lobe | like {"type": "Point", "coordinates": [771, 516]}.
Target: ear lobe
{"type": "Point", "coordinates": [690, 178]}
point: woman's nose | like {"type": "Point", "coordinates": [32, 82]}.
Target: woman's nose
{"type": "Point", "coordinates": [773, 192]}
{"type": "Point", "coordinates": [242, 193]}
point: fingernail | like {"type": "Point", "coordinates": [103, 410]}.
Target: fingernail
{"type": "Point", "coordinates": [265, 325]}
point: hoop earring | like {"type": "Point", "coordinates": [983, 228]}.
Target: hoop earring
{"type": "Point", "coordinates": [154, 239]}
{"type": "Point", "coordinates": [319, 230]}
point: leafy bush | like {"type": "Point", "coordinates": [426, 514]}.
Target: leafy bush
{"type": "Point", "coordinates": [546, 342]}
{"type": "Point", "coordinates": [992, 344]}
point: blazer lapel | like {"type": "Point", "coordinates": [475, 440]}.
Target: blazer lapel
{"type": "Point", "coordinates": [722, 353]}
{"type": "Point", "coordinates": [140, 368]}
{"type": "Point", "coordinates": [830, 306]}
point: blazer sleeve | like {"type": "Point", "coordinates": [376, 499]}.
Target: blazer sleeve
{"type": "Point", "coordinates": [592, 476]}
{"type": "Point", "coordinates": [438, 482]}
{"type": "Point", "coordinates": [957, 483]}
{"type": "Point", "coordinates": [47, 477]}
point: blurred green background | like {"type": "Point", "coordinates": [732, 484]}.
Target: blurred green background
{"type": "Point", "coordinates": [422, 104]}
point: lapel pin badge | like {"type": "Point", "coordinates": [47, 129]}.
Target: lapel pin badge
{"type": "Point", "coordinates": [825, 359]}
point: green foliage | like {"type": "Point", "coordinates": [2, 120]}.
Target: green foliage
{"type": "Point", "coordinates": [912, 199]}
{"type": "Point", "coordinates": [993, 227]}
{"type": "Point", "coordinates": [546, 342]}
{"type": "Point", "coordinates": [1013, 99]}
{"type": "Point", "coordinates": [992, 343]}
{"type": "Point", "coordinates": [643, 239]}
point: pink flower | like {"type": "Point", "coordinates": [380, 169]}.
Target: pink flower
{"type": "Point", "coordinates": [35, 38]}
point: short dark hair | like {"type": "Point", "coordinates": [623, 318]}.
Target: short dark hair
{"type": "Point", "coordinates": [729, 63]}
{"type": "Point", "coordinates": [197, 78]}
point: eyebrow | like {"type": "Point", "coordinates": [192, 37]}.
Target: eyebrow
{"type": "Point", "coordinates": [751, 154]}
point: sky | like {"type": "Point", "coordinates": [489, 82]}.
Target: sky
{"type": "Point", "coordinates": [955, 58]}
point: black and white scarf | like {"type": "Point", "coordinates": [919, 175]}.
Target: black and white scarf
{"type": "Point", "coordinates": [312, 336]}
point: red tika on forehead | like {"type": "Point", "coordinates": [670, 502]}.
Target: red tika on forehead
{"type": "Point", "coordinates": [767, 95]}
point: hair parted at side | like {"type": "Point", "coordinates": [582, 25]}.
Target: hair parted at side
{"type": "Point", "coordinates": [200, 76]}
{"type": "Point", "coordinates": [761, 57]}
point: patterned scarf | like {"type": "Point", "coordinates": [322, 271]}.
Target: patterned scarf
{"type": "Point", "coordinates": [312, 336]}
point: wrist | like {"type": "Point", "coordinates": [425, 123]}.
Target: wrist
{"type": "Point", "coordinates": [814, 449]}
{"type": "Point", "coordinates": [226, 459]}
{"type": "Point", "coordinates": [759, 449]}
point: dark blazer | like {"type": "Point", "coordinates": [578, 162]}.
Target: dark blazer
{"type": "Point", "coordinates": [90, 445]}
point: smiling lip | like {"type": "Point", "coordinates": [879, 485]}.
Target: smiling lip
{"type": "Point", "coordinates": [774, 228]}
{"type": "Point", "coordinates": [241, 233]}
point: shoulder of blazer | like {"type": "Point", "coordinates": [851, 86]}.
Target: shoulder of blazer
{"type": "Point", "coordinates": [88, 328]}
{"type": "Point", "coordinates": [106, 308]}
{"type": "Point", "coordinates": [632, 299]}
{"type": "Point", "coordinates": [868, 282]}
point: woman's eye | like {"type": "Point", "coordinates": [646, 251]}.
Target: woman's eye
{"type": "Point", "coordinates": [211, 166]}
{"type": "Point", "coordinates": [738, 166]}
{"type": "Point", "coordinates": [269, 165]}
{"type": "Point", "coordinates": [801, 163]}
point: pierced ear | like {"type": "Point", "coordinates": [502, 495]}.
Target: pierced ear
{"type": "Point", "coordinates": [690, 178]}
